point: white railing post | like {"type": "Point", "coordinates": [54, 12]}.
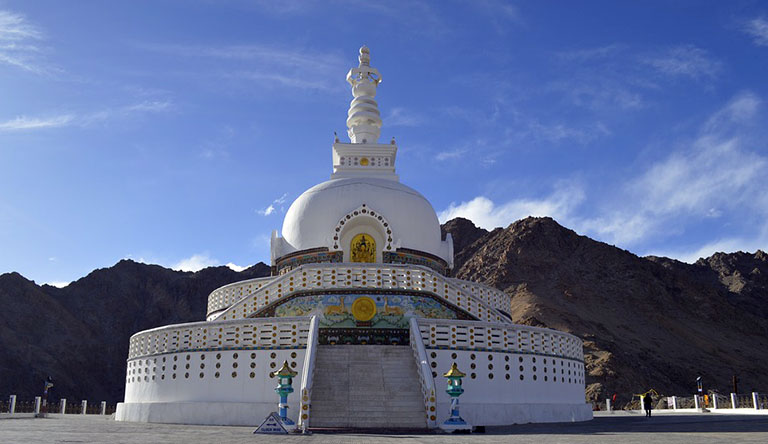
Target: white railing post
{"type": "Point", "coordinates": [306, 378]}
{"type": "Point", "coordinates": [84, 406]}
{"type": "Point", "coordinates": [12, 406]}
{"type": "Point", "coordinates": [734, 401]}
{"type": "Point", "coordinates": [714, 401]}
{"type": "Point", "coordinates": [63, 406]}
{"type": "Point", "coordinates": [696, 403]}
{"type": "Point", "coordinates": [103, 407]}
{"type": "Point", "coordinates": [425, 374]}
{"type": "Point", "coordinates": [674, 403]}
{"type": "Point", "coordinates": [608, 406]}
{"type": "Point", "coordinates": [38, 401]}
{"type": "Point", "coordinates": [755, 400]}
{"type": "Point", "coordinates": [642, 403]}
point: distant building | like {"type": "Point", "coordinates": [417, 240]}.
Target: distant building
{"type": "Point", "coordinates": [362, 306]}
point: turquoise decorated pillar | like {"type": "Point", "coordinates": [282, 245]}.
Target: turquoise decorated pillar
{"type": "Point", "coordinates": [454, 390]}
{"type": "Point", "coordinates": [284, 388]}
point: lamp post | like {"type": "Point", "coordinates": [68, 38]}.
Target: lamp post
{"type": "Point", "coordinates": [454, 390]}
{"type": "Point", "coordinates": [284, 388]}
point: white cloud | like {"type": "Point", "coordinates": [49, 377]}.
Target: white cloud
{"type": "Point", "coordinates": [235, 267]}
{"type": "Point", "coordinates": [726, 245]}
{"type": "Point", "coordinates": [489, 215]}
{"type": "Point", "coordinates": [148, 106]}
{"type": "Point", "coordinates": [196, 262]}
{"type": "Point", "coordinates": [451, 154]}
{"type": "Point", "coordinates": [401, 117]}
{"type": "Point", "coordinates": [267, 65]}
{"type": "Point", "coordinates": [281, 199]}
{"type": "Point", "coordinates": [58, 284]}
{"type": "Point", "coordinates": [714, 174]}
{"type": "Point", "coordinates": [590, 54]}
{"type": "Point", "coordinates": [267, 211]}
{"type": "Point", "coordinates": [271, 208]}
{"type": "Point", "coordinates": [685, 61]}
{"type": "Point", "coordinates": [758, 29]}
{"type": "Point", "coordinates": [741, 109]}
{"type": "Point", "coordinates": [24, 123]}
{"type": "Point", "coordinates": [18, 42]}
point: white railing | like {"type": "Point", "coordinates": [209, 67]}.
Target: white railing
{"type": "Point", "coordinates": [425, 374]}
{"type": "Point", "coordinates": [305, 409]}
{"type": "Point", "coordinates": [493, 297]}
{"type": "Point", "coordinates": [310, 277]}
{"type": "Point", "coordinates": [227, 295]}
{"type": "Point", "coordinates": [250, 333]}
{"type": "Point", "coordinates": [474, 335]}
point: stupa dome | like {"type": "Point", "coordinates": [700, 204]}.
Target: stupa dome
{"type": "Point", "coordinates": [386, 209]}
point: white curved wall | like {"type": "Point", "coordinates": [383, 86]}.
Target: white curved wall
{"type": "Point", "coordinates": [312, 217]}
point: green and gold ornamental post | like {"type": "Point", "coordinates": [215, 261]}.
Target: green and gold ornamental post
{"type": "Point", "coordinates": [284, 388]}
{"type": "Point", "coordinates": [454, 390]}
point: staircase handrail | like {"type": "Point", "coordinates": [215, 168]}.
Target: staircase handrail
{"type": "Point", "coordinates": [306, 377]}
{"type": "Point", "coordinates": [425, 373]}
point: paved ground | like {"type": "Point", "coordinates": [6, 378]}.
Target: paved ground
{"type": "Point", "coordinates": [670, 429]}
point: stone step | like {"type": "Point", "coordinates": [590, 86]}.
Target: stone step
{"type": "Point", "coordinates": [366, 386]}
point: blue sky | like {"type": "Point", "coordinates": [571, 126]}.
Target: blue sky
{"type": "Point", "coordinates": [178, 132]}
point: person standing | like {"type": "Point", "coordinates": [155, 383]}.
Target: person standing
{"type": "Point", "coordinates": [648, 402]}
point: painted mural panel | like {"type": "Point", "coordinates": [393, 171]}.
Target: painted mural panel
{"type": "Point", "coordinates": [365, 310]}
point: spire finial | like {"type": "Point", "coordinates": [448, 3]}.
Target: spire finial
{"type": "Point", "coordinates": [364, 121]}
{"type": "Point", "coordinates": [365, 56]}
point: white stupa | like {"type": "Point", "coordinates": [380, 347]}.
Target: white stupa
{"type": "Point", "coordinates": [361, 306]}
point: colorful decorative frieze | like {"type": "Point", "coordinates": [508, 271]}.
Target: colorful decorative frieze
{"type": "Point", "coordinates": [414, 257]}
{"type": "Point", "coordinates": [369, 309]}
{"type": "Point", "coordinates": [311, 256]}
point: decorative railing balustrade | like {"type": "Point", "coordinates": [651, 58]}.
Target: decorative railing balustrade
{"type": "Point", "coordinates": [226, 335]}
{"type": "Point", "coordinates": [227, 295]}
{"type": "Point", "coordinates": [493, 297]}
{"type": "Point", "coordinates": [718, 401]}
{"type": "Point", "coordinates": [353, 276]}
{"type": "Point", "coordinates": [439, 333]}
{"type": "Point", "coordinates": [307, 377]}
{"type": "Point", "coordinates": [426, 381]}
{"type": "Point", "coordinates": [744, 402]}
{"type": "Point", "coordinates": [762, 401]}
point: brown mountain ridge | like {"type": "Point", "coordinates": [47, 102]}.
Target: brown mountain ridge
{"type": "Point", "coordinates": [646, 322]}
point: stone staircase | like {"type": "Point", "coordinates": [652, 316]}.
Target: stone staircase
{"type": "Point", "coordinates": [366, 386]}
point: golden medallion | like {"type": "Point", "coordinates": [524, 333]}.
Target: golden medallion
{"type": "Point", "coordinates": [364, 309]}
{"type": "Point", "coordinates": [364, 161]}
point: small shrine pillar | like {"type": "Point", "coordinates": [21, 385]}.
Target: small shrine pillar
{"type": "Point", "coordinates": [284, 388]}
{"type": "Point", "coordinates": [455, 423]}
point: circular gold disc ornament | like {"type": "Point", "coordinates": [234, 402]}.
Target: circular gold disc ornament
{"type": "Point", "coordinates": [364, 309]}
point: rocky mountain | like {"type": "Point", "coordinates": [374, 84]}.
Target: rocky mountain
{"type": "Point", "coordinates": [79, 334]}
{"type": "Point", "coordinates": [647, 322]}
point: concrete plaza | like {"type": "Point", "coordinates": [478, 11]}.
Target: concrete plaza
{"type": "Point", "coordinates": [620, 428]}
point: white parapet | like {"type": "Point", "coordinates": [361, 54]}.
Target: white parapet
{"type": "Point", "coordinates": [674, 402]}
{"type": "Point", "coordinates": [103, 407]}
{"type": "Point", "coordinates": [63, 406]}
{"type": "Point", "coordinates": [12, 404]}
{"type": "Point", "coordinates": [756, 400]}
{"type": "Point", "coordinates": [734, 403]}
{"type": "Point", "coordinates": [38, 401]}
{"type": "Point", "coordinates": [608, 406]}
{"type": "Point", "coordinates": [84, 407]}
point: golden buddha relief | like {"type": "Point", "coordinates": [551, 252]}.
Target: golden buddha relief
{"type": "Point", "coordinates": [362, 248]}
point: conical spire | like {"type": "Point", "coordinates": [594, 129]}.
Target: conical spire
{"type": "Point", "coordinates": [364, 121]}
